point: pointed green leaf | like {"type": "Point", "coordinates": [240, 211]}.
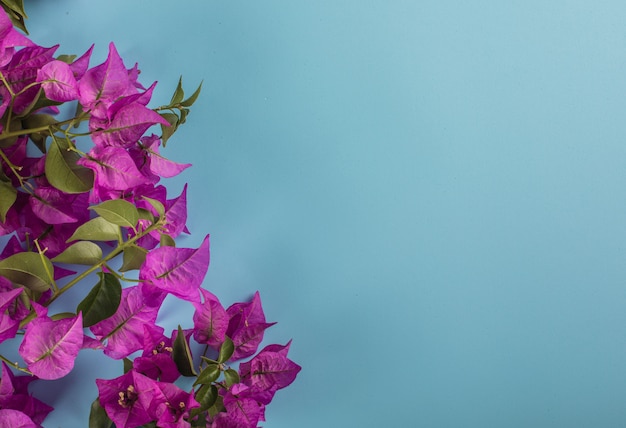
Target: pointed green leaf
{"type": "Point", "coordinates": [80, 253]}
{"type": "Point", "coordinates": [133, 258]}
{"type": "Point", "coordinates": [158, 206]}
{"type": "Point", "coordinates": [64, 173]}
{"type": "Point", "coordinates": [231, 377]}
{"type": "Point", "coordinates": [102, 301]}
{"type": "Point", "coordinates": [208, 375]}
{"type": "Point", "coordinates": [206, 396]}
{"type": "Point", "coordinates": [179, 94]}
{"type": "Point", "coordinates": [128, 365]}
{"type": "Point", "coordinates": [8, 195]}
{"type": "Point", "coordinates": [98, 417]}
{"type": "Point", "coordinates": [182, 355]}
{"type": "Point", "coordinates": [144, 214]}
{"type": "Point", "coordinates": [167, 240]}
{"type": "Point", "coordinates": [226, 350]}
{"type": "Point", "coordinates": [62, 316]}
{"type": "Point", "coordinates": [28, 269]}
{"type": "Point", "coordinates": [96, 229]}
{"type": "Point", "coordinates": [68, 59]}
{"type": "Point", "coordinates": [118, 211]}
{"type": "Point", "coordinates": [192, 99]}
{"type": "Point", "coordinates": [168, 131]}
{"type": "Point", "coordinates": [217, 407]}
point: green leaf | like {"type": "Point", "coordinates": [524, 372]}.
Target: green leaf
{"type": "Point", "coordinates": [80, 253]}
{"type": "Point", "coordinates": [217, 407]}
{"type": "Point", "coordinates": [8, 195]}
{"type": "Point", "coordinates": [179, 94]}
{"type": "Point", "coordinates": [231, 377]}
{"type": "Point", "coordinates": [118, 211]}
{"type": "Point", "coordinates": [15, 10]}
{"type": "Point", "coordinates": [208, 375]}
{"type": "Point", "coordinates": [182, 355]}
{"type": "Point", "coordinates": [38, 120]}
{"type": "Point", "coordinates": [144, 214]}
{"type": "Point", "coordinates": [192, 99]}
{"type": "Point", "coordinates": [226, 350]}
{"type": "Point", "coordinates": [168, 131]}
{"type": "Point", "coordinates": [64, 173]}
{"type": "Point", "coordinates": [128, 365]}
{"type": "Point", "coordinates": [102, 301]}
{"type": "Point", "coordinates": [28, 269]}
{"type": "Point", "coordinates": [62, 316]}
{"type": "Point", "coordinates": [68, 59]}
{"type": "Point", "coordinates": [98, 417]}
{"type": "Point", "coordinates": [167, 240]}
{"type": "Point", "coordinates": [158, 206]}
{"type": "Point", "coordinates": [206, 396]}
{"type": "Point", "coordinates": [133, 257]}
{"type": "Point", "coordinates": [96, 229]}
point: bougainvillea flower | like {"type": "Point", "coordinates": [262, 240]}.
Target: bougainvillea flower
{"type": "Point", "coordinates": [81, 64]}
{"type": "Point", "coordinates": [9, 38]}
{"type": "Point", "coordinates": [122, 398]}
{"type": "Point", "coordinates": [50, 347]}
{"type": "Point", "coordinates": [127, 126]}
{"type": "Point", "coordinates": [14, 395]}
{"type": "Point", "coordinates": [210, 320]}
{"type": "Point", "coordinates": [56, 207]}
{"type": "Point", "coordinates": [15, 419]}
{"type": "Point", "coordinates": [58, 81]}
{"type": "Point", "coordinates": [156, 361]}
{"type": "Point", "coordinates": [123, 331]}
{"type": "Point", "coordinates": [106, 82]}
{"type": "Point", "coordinates": [269, 370]}
{"type": "Point", "coordinates": [246, 411]}
{"type": "Point", "coordinates": [178, 271]}
{"type": "Point", "coordinates": [114, 168]}
{"type": "Point", "coordinates": [246, 327]}
{"type": "Point", "coordinates": [171, 412]}
{"type": "Point", "coordinates": [8, 325]}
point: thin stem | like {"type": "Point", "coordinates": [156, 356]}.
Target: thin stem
{"type": "Point", "coordinates": [46, 266]}
{"type": "Point", "coordinates": [102, 262]}
{"type": "Point", "coordinates": [15, 365]}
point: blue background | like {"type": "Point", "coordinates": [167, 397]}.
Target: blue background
{"type": "Point", "coordinates": [429, 196]}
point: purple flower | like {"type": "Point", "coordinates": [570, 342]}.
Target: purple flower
{"type": "Point", "coordinates": [210, 320]}
{"type": "Point", "coordinates": [246, 327]}
{"type": "Point", "coordinates": [270, 369]}
{"type": "Point", "coordinates": [124, 330]}
{"type": "Point", "coordinates": [156, 360]}
{"type": "Point", "coordinates": [50, 347]}
{"type": "Point", "coordinates": [126, 398]}
{"type": "Point", "coordinates": [15, 419]}
{"type": "Point", "coordinates": [178, 271]}
{"type": "Point", "coordinates": [14, 395]}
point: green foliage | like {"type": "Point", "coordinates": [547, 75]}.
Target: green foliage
{"type": "Point", "coordinates": [102, 301]}
{"type": "Point", "coordinates": [28, 269]}
{"type": "Point", "coordinates": [80, 253]}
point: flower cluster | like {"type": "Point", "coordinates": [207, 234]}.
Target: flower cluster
{"type": "Point", "coordinates": [81, 200]}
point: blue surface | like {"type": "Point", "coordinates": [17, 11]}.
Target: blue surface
{"type": "Point", "coordinates": [429, 196]}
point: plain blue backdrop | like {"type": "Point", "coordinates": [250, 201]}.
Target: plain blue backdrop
{"type": "Point", "coordinates": [429, 196]}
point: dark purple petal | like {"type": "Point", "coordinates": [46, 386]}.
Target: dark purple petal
{"type": "Point", "coordinates": [123, 396]}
